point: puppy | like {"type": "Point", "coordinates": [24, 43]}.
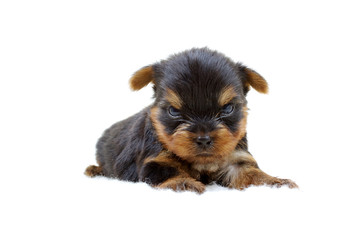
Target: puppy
{"type": "Point", "coordinates": [195, 131]}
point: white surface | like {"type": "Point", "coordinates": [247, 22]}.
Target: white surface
{"type": "Point", "coordinates": [64, 70]}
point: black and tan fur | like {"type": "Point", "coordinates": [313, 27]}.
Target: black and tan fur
{"type": "Point", "coordinates": [195, 131]}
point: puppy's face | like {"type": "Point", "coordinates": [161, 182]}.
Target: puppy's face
{"type": "Point", "coordinates": [200, 107]}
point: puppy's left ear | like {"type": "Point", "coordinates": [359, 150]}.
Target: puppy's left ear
{"type": "Point", "coordinates": [142, 77]}
{"type": "Point", "coordinates": [253, 79]}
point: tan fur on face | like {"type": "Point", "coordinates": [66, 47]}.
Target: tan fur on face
{"type": "Point", "coordinates": [182, 142]}
{"type": "Point", "coordinates": [243, 123]}
{"type": "Point", "coordinates": [141, 78]}
{"type": "Point", "coordinates": [174, 99]}
{"type": "Point", "coordinates": [179, 143]}
{"type": "Point", "coordinates": [226, 96]}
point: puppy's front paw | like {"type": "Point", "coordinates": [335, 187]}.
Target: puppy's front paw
{"type": "Point", "coordinates": [183, 184]}
{"type": "Point", "coordinates": [278, 182]}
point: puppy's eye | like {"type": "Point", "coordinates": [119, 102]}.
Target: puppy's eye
{"type": "Point", "coordinates": [227, 109]}
{"type": "Point", "coordinates": [174, 112]}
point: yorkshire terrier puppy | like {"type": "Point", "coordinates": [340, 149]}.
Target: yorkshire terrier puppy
{"type": "Point", "coordinates": [195, 131]}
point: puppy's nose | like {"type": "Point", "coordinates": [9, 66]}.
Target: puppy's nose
{"type": "Point", "coordinates": [204, 141]}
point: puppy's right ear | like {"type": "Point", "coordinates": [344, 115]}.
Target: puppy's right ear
{"type": "Point", "coordinates": [142, 77]}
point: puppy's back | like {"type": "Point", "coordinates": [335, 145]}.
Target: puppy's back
{"type": "Point", "coordinates": [124, 146]}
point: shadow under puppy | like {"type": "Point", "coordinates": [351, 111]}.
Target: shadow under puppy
{"type": "Point", "coordinates": [195, 131]}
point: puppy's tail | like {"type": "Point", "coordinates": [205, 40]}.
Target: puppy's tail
{"type": "Point", "coordinates": [93, 171]}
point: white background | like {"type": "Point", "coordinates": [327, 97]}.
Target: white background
{"type": "Point", "coordinates": [64, 70]}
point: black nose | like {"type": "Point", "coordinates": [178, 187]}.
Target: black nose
{"type": "Point", "coordinates": [204, 141]}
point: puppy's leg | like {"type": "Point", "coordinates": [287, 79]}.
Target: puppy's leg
{"type": "Point", "coordinates": [165, 171]}
{"type": "Point", "coordinates": [93, 171]}
{"type": "Point", "coordinates": [183, 183]}
{"type": "Point", "coordinates": [243, 171]}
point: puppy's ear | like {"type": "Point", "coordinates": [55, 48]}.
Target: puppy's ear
{"type": "Point", "coordinates": [253, 79]}
{"type": "Point", "coordinates": [142, 77]}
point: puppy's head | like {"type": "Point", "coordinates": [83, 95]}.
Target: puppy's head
{"type": "Point", "coordinates": [200, 108]}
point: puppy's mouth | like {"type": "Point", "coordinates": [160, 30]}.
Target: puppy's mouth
{"type": "Point", "coordinates": [204, 154]}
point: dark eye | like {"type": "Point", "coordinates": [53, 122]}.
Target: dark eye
{"type": "Point", "coordinates": [227, 109]}
{"type": "Point", "coordinates": [174, 112]}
